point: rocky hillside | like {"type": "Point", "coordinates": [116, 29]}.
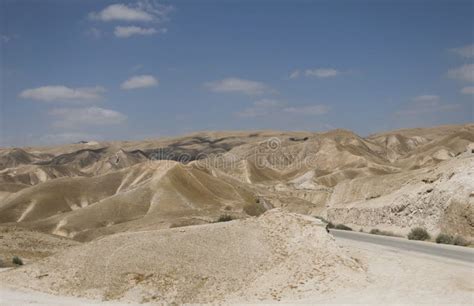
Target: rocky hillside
{"type": "Point", "coordinates": [392, 180]}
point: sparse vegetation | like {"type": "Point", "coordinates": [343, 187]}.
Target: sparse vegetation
{"type": "Point", "coordinates": [376, 231]}
{"type": "Point", "coordinates": [459, 240]}
{"type": "Point", "coordinates": [17, 261]}
{"type": "Point", "coordinates": [343, 227]}
{"type": "Point", "coordinates": [225, 218]}
{"type": "Point", "coordinates": [444, 239]}
{"type": "Point", "coordinates": [254, 209]}
{"type": "Point", "coordinates": [418, 233]}
{"type": "Point", "coordinates": [449, 239]}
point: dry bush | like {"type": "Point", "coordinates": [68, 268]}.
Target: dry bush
{"type": "Point", "coordinates": [418, 233]}
{"type": "Point", "coordinates": [17, 261]}
{"type": "Point", "coordinates": [444, 239]}
{"type": "Point", "coordinates": [225, 218]}
{"type": "Point", "coordinates": [459, 240]}
{"type": "Point", "coordinates": [343, 227]}
{"type": "Point", "coordinates": [376, 231]}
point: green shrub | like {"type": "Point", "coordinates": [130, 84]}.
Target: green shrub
{"type": "Point", "coordinates": [17, 261]}
{"type": "Point", "coordinates": [330, 225]}
{"type": "Point", "coordinates": [459, 240]}
{"type": "Point", "coordinates": [225, 218]}
{"type": "Point", "coordinates": [418, 233]}
{"type": "Point", "coordinates": [343, 227]}
{"type": "Point", "coordinates": [444, 239]}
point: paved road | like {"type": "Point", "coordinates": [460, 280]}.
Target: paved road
{"type": "Point", "coordinates": [447, 251]}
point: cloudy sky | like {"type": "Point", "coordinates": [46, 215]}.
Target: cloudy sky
{"type": "Point", "coordinates": [74, 70]}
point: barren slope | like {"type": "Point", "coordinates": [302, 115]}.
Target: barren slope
{"type": "Point", "coordinates": [438, 198]}
{"type": "Point", "coordinates": [157, 193]}
{"type": "Point", "coordinates": [270, 257]}
{"type": "Point", "coordinates": [91, 189]}
{"type": "Point", "coordinates": [29, 245]}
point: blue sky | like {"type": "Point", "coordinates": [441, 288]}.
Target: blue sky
{"type": "Point", "coordinates": [108, 70]}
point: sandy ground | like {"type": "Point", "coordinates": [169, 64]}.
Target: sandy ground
{"type": "Point", "coordinates": [395, 277]}
{"type": "Point", "coordinates": [10, 296]}
{"type": "Point", "coordinates": [16, 297]}
{"type": "Point", "coordinates": [277, 256]}
{"type": "Point", "coordinates": [404, 277]}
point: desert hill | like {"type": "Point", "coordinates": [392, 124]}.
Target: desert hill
{"type": "Point", "coordinates": [92, 189]}
{"type": "Point", "coordinates": [438, 198]}
{"type": "Point", "coordinates": [156, 193]}
{"type": "Point", "coordinates": [257, 259]}
{"type": "Point", "coordinates": [30, 245]}
{"type": "Point", "coordinates": [140, 221]}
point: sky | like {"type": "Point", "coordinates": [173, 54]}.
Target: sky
{"type": "Point", "coordinates": [75, 70]}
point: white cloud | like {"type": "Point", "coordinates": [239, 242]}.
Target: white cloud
{"type": "Point", "coordinates": [139, 81]}
{"type": "Point", "coordinates": [469, 90]}
{"type": "Point", "coordinates": [322, 72]}
{"type": "Point", "coordinates": [67, 137]}
{"type": "Point", "coordinates": [266, 103]}
{"type": "Point", "coordinates": [237, 85]}
{"type": "Point", "coordinates": [4, 38]}
{"type": "Point", "coordinates": [63, 93]}
{"type": "Point", "coordinates": [317, 72]}
{"type": "Point", "coordinates": [426, 98]}
{"type": "Point", "coordinates": [269, 107]}
{"type": "Point", "coordinates": [466, 51]}
{"type": "Point", "coordinates": [121, 12]}
{"type": "Point", "coordinates": [432, 109]}
{"type": "Point", "coordinates": [84, 117]}
{"type": "Point", "coordinates": [295, 74]}
{"type": "Point", "coordinates": [143, 11]}
{"type": "Point", "coordinates": [124, 32]}
{"type": "Point", "coordinates": [464, 73]}
{"type": "Point", "coordinates": [426, 104]}
{"type": "Point", "coordinates": [261, 108]}
{"type": "Point", "coordinates": [318, 109]}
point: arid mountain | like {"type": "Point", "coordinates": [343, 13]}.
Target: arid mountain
{"type": "Point", "coordinates": [139, 221]}
{"type": "Point", "coordinates": [393, 180]}
{"type": "Point", "coordinates": [153, 194]}
{"type": "Point", "coordinates": [259, 258]}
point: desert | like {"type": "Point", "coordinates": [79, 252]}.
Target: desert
{"type": "Point", "coordinates": [243, 219]}
{"type": "Point", "coordinates": [208, 152]}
